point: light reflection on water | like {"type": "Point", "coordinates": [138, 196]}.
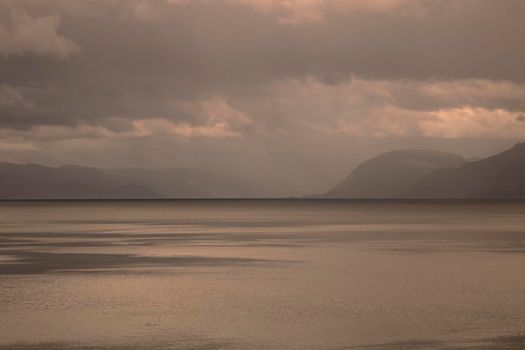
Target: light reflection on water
{"type": "Point", "coordinates": [262, 275]}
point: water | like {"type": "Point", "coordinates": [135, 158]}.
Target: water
{"type": "Point", "coordinates": [262, 275]}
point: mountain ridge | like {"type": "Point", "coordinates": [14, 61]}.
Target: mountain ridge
{"type": "Point", "coordinates": [499, 176]}
{"type": "Point", "coordinates": [390, 174]}
{"type": "Point", "coordinates": [70, 181]}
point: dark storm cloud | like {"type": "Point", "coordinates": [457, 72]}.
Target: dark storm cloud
{"type": "Point", "coordinates": [156, 50]}
{"type": "Point", "coordinates": [255, 86]}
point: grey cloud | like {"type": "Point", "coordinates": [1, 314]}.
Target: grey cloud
{"type": "Point", "coordinates": [10, 96]}
{"type": "Point", "coordinates": [295, 96]}
{"type": "Point", "coordinates": [35, 35]}
{"type": "Point", "coordinates": [198, 48]}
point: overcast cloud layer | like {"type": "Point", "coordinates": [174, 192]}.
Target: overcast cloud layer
{"type": "Point", "coordinates": [290, 93]}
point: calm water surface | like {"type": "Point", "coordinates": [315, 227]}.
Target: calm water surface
{"type": "Point", "coordinates": [273, 274]}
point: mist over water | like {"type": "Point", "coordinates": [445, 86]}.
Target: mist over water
{"type": "Point", "coordinates": [262, 274]}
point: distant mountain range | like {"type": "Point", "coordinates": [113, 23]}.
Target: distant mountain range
{"type": "Point", "coordinates": [392, 173]}
{"type": "Point", "coordinates": [33, 181]}
{"type": "Point", "coordinates": [435, 174]}
{"type": "Point", "coordinates": [396, 174]}
{"type": "Point", "coordinates": [499, 176]}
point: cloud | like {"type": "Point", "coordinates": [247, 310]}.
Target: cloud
{"type": "Point", "coordinates": [472, 122]}
{"type": "Point", "coordinates": [218, 111]}
{"type": "Point", "coordinates": [294, 12]}
{"type": "Point", "coordinates": [358, 107]}
{"type": "Point", "coordinates": [16, 146]}
{"type": "Point", "coordinates": [35, 35]}
{"type": "Point", "coordinates": [289, 92]}
{"type": "Point", "coordinates": [452, 123]}
{"type": "Point", "coordinates": [10, 97]}
{"type": "Point", "coordinates": [163, 127]}
{"type": "Point", "coordinates": [314, 11]}
{"type": "Point", "coordinates": [364, 108]}
{"type": "Point", "coordinates": [139, 128]}
{"type": "Point", "coordinates": [145, 11]}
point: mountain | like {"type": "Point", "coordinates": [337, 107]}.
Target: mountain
{"type": "Point", "coordinates": [390, 174]}
{"type": "Point", "coordinates": [34, 181]}
{"type": "Point", "coordinates": [191, 183]}
{"type": "Point", "coordinates": [499, 176]}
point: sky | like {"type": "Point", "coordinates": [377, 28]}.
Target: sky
{"type": "Point", "coordinates": [290, 93]}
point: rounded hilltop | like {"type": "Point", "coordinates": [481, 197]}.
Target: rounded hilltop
{"type": "Point", "coordinates": [390, 174]}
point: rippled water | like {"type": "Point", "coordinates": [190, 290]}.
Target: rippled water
{"type": "Point", "coordinates": [262, 275]}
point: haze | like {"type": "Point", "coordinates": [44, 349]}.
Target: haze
{"type": "Point", "coordinates": [290, 94]}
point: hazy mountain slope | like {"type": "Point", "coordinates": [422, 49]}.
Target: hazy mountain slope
{"type": "Point", "coordinates": [390, 174]}
{"type": "Point", "coordinates": [191, 183]}
{"type": "Point", "coordinates": [24, 181]}
{"type": "Point", "coordinates": [499, 176]}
